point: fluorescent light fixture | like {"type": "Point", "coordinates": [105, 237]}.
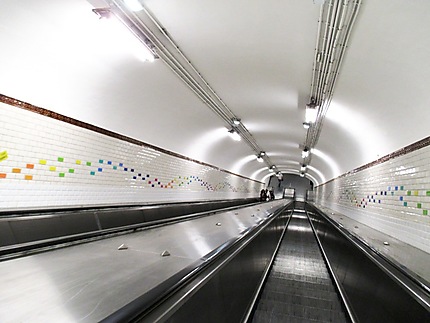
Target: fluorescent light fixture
{"type": "Point", "coordinates": [262, 153]}
{"type": "Point", "coordinates": [236, 121]}
{"type": "Point", "coordinates": [123, 35]}
{"type": "Point", "coordinates": [305, 153]}
{"type": "Point", "coordinates": [234, 135]}
{"type": "Point", "coordinates": [133, 5]}
{"type": "Point", "coordinates": [260, 159]}
{"type": "Point", "coordinates": [303, 168]}
{"type": "Point", "coordinates": [302, 174]}
{"type": "Point", "coordinates": [306, 125]}
{"type": "Point", "coordinates": [311, 114]}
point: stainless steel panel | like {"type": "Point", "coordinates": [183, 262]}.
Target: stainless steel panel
{"type": "Point", "coordinates": [90, 281]}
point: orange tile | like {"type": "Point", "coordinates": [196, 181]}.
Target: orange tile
{"type": "Point", "coordinates": [28, 177]}
{"type": "Point", "coordinates": [30, 166]}
{"type": "Point", "coordinates": [16, 170]}
{"type": "Point", "coordinates": [2, 175]}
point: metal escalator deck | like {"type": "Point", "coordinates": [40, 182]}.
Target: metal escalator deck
{"type": "Point", "coordinates": [299, 287]}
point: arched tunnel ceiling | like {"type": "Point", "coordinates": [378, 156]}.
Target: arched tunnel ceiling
{"type": "Point", "coordinates": [256, 55]}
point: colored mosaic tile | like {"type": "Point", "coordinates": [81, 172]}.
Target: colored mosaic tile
{"type": "Point", "coordinates": [52, 168]}
{"type": "Point", "coordinates": [134, 177]}
{"type": "Point", "coordinates": [88, 163]}
{"type": "Point", "coordinates": [16, 170]}
{"type": "Point", "coordinates": [109, 162]}
{"type": "Point", "coordinates": [61, 174]}
{"type": "Point", "coordinates": [396, 188]}
{"type": "Point", "coordinates": [28, 177]}
{"type": "Point", "coordinates": [405, 203]}
{"type": "Point", "coordinates": [92, 173]}
{"type": "Point", "coordinates": [60, 159]}
{"type": "Point", "coordinates": [425, 212]}
{"type": "Point", "coordinates": [416, 193]}
{"type": "Point", "coordinates": [100, 161]}
{"type": "Point", "coordinates": [401, 198]}
{"type": "Point", "coordinates": [30, 166]}
{"type": "Point", "coordinates": [392, 193]}
{"type": "Point", "coordinates": [3, 155]}
{"type": "Point", "coordinates": [100, 169]}
{"type": "Point", "coordinates": [42, 162]}
{"type": "Point", "coordinates": [121, 164]}
{"type": "Point", "coordinates": [419, 205]}
{"type": "Point", "coordinates": [78, 162]}
{"type": "Point", "coordinates": [71, 170]}
{"type": "Point", "coordinates": [3, 175]}
{"type": "Point", "coordinates": [408, 193]}
{"type": "Point", "coordinates": [428, 193]}
{"type": "Point", "coordinates": [402, 188]}
{"type": "Point", "coordinates": [114, 167]}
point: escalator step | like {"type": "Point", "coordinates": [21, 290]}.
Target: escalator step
{"type": "Point", "coordinates": [317, 300]}
{"type": "Point", "coordinates": [305, 282]}
{"type": "Point", "coordinates": [300, 311]}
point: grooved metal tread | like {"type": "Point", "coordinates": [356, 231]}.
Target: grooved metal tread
{"type": "Point", "coordinates": [299, 287]}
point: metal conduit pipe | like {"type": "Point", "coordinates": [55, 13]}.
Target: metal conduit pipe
{"type": "Point", "coordinates": [339, 59]}
{"type": "Point", "coordinates": [172, 62]}
{"type": "Point", "coordinates": [203, 91]}
{"type": "Point", "coordinates": [332, 40]}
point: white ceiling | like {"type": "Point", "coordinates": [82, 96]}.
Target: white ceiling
{"type": "Point", "coordinates": [257, 55]}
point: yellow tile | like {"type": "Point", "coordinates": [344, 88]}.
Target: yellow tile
{"type": "Point", "coordinates": [78, 162]}
{"type": "Point", "coordinates": [52, 168]}
{"type": "Point", "coordinates": [42, 162]}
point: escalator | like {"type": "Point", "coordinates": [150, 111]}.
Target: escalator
{"type": "Point", "coordinates": [299, 287]}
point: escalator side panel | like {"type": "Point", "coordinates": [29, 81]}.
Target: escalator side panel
{"type": "Point", "coordinates": [227, 296]}
{"type": "Point", "coordinates": [374, 296]}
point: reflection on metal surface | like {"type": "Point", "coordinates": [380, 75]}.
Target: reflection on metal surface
{"type": "Point", "coordinates": [299, 228]}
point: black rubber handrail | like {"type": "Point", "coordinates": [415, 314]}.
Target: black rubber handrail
{"type": "Point", "coordinates": [146, 303]}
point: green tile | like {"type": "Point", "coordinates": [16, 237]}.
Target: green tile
{"type": "Point", "coordinates": [428, 193]}
{"type": "Point", "coordinates": [60, 159]}
{"type": "Point", "coordinates": [71, 170]}
{"type": "Point", "coordinates": [101, 161]}
{"type": "Point", "coordinates": [114, 167]}
{"type": "Point", "coordinates": [419, 205]}
{"type": "Point", "coordinates": [402, 188]}
{"type": "Point", "coordinates": [408, 193]}
{"type": "Point", "coordinates": [88, 163]}
{"type": "Point", "coordinates": [405, 203]}
{"type": "Point", "coordinates": [92, 173]}
{"type": "Point", "coordinates": [61, 174]}
{"type": "Point", "coordinates": [425, 212]}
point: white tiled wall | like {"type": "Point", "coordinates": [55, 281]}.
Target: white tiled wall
{"type": "Point", "coordinates": [392, 197]}
{"type": "Point", "coordinates": [51, 163]}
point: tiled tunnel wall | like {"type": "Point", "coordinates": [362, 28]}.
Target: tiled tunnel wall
{"type": "Point", "coordinates": [47, 162]}
{"type": "Point", "coordinates": [391, 195]}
